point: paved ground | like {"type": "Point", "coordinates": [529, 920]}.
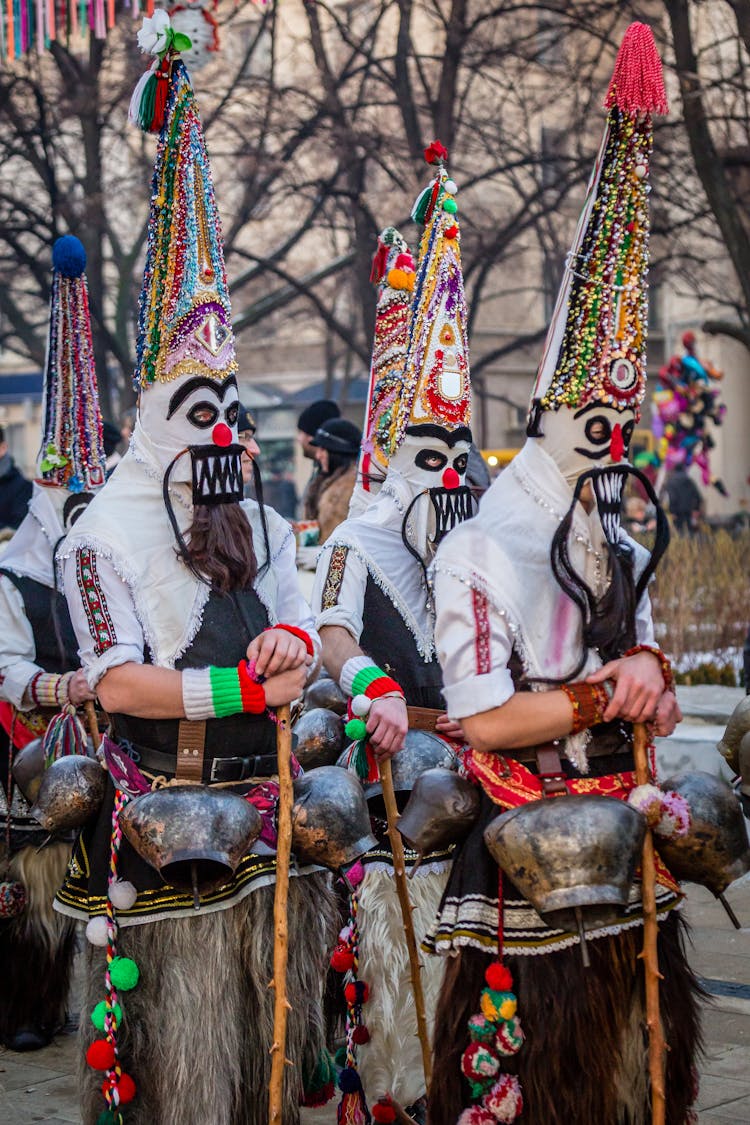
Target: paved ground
{"type": "Point", "coordinates": [42, 1088]}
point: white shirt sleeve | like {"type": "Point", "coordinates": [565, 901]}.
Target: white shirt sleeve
{"type": "Point", "coordinates": [474, 647]}
{"type": "Point", "coordinates": [339, 590]}
{"type": "Point", "coordinates": [103, 615]}
{"type": "Point", "coordinates": [17, 648]}
{"type": "Point", "coordinates": [291, 607]}
{"type": "Point", "coordinates": [644, 622]}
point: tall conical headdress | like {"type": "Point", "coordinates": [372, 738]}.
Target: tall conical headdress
{"type": "Point", "coordinates": [596, 344]}
{"type": "Point", "coordinates": [72, 452]}
{"type": "Point", "coordinates": [437, 385]}
{"type": "Point", "coordinates": [393, 273]}
{"type": "Point", "coordinates": [185, 355]}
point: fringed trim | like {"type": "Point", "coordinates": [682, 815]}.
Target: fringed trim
{"type": "Point", "coordinates": [425, 642]}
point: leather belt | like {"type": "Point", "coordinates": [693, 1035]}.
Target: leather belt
{"type": "Point", "coordinates": [221, 769]}
{"type": "Point", "coordinates": [423, 718]}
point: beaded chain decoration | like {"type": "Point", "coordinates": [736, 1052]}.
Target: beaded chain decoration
{"type": "Point", "coordinates": [352, 1108]}
{"type": "Point", "coordinates": [184, 321]}
{"type": "Point", "coordinates": [393, 270]}
{"type": "Point", "coordinates": [600, 354]}
{"type": "Point", "coordinates": [436, 375]}
{"type": "Point", "coordinates": [72, 453]}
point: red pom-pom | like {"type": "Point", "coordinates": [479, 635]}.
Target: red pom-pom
{"type": "Point", "coordinates": [383, 1112]}
{"type": "Point", "coordinates": [404, 262]}
{"type": "Point", "coordinates": [100, 1055]}
{"type": "Point", "coordinates": [125, 1088]}
{"type": "Point", "coordinates": [342, 959]}
{"type": "Point", "coordinates": [356, 992]}
{"type": "Point", "coordinates": [360, 1035]}
{"type": "Point", "coordinates": [498, 977]}
{"type": "Point", "coordinates": [434, 152]}
{"type": "Point", "coordinates": [452, 231]}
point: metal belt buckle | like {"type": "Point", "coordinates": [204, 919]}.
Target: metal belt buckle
{"type": "Point", "coordinates": [212, 776]}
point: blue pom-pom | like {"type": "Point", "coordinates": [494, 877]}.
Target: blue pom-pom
{"type": "Point", "coordinates": [349, 1081]}
{"type": "Point", "coordinates": [69, 256]}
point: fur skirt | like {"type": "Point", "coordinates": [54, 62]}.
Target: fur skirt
{"type": "Point", "coordinates": [36, 947]}
{"type": "Point", "coordinates": [198, 1027]}
{"type": "Point", "coordinates": [585, 1056]}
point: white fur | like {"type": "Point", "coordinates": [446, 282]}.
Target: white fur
{"type": "Point", "coordinates": [392, 1060]}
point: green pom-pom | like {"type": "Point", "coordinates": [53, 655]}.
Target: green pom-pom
{"type": "Point", "coordinates": [109, 1117]}
{"type": "Point", "coordinates": [450, 205]}
{"type": "Point", "coordinates": [123, 973]}
{"type": "Point", "coordinates": [356, 729]}
{"type": "Point", "coordinates": [100, 1011]}
{"type": "Point", "coordinates": [339, 1059]}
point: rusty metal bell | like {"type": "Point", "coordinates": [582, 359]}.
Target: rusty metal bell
{"type": "Point", "coordinates": [572, 857]}
{"type": "Point", "coordinates": [71, 791]}
{"type": "Point", "coordinates": [440, 811]}
{"type": "Point", "coordinates": [736, 735]}
{"type": "Point", "coordinates": [422, 751]}
{"type": "Point", "coordinates": [193, 835]}
{"type": "Point", "coordinates": [28, 768]}
{"type": "Point", "coordinates": [330, 821]}
{"type": "Point", "coordinates": [320, 738]}
{"type": "Point", "coordinates": [326, 693]}
{"type": "Point", "coordinates": [715, 850]}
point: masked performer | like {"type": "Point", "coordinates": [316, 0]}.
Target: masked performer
{"type": "Point", "coordinates": [39, 660]}
{"type": "Point", "coordinates": [374, 606]}
{"type": "Point", "coordinates": [543, 590]}
{"type": "Point", "coordinates": [184, 599]}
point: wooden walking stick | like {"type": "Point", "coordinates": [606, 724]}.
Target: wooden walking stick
{"type": "Point", "coordinates": [650, 956]}
{"type": "Point", "coordinates": [280, 921]}
{"type": "Point", "coordinates": [399, 870]}
{"type": "Point", "coordinates": [93, 724]}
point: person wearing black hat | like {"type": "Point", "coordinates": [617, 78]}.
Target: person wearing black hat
{"type": "Point", "coordinates": [336, 444]}
{"type": "Point", "coordinates": [313, 416]}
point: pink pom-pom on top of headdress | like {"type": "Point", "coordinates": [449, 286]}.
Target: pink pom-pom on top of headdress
{"type": "Point", "coordinates": [637, 84]}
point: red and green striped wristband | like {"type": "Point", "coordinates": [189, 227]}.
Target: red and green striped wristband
{"type": "Point", "coordinates": [214, 693]}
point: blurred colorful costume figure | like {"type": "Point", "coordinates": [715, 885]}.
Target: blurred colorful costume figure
{"type": "Point", "coordinates": [543, 592]}
{"type": "Point", "coordinates": [374, 604]}
{"type": "Point", "coordinates": [39, 668]}
{"type": "Point", "coordinates": [686, 400]}
{"type": "Point", "coordinates": [183, 597]}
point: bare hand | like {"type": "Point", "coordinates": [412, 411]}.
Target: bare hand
{"type": "Point", "coordinates": [449, 728]}
{"type": "Point", "coordinates": [639, 685]}
{"type": "Point", "coordinates": [285, 686]}
{"type": "Point", "coordinates": [668, 715]}
{"type": "Point", "coordinates": [276, 651]}
{"type": "Point", "coordinates": [78, 690]}
{"type": "Point", "coordinates": [387, 724]}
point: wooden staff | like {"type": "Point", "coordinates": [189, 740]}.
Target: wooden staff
{"type": "Point", "coordinates": [280, 921]}
{"type": "Point", "coordinates": [90, 712]}
{"type": "Point", "coordinates": [399, 870]}
{"type": "Point", "coordinates": [656, 1043]}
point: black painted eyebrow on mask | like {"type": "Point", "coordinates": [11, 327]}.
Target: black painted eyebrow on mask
{"type": "Point", "coordinates": [450, 437]}
{"type": "Point", "coordinates": [187, 388]}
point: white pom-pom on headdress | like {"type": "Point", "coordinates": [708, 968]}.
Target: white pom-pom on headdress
{"type": "Point", "coordinates": [96, 930]}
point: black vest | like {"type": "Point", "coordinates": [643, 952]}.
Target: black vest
{"type": "Point", "coordinates": [47, 613]}
{"type": "Point", "coordinates": [387, 640]}
{"type": "Point", "coordinates": [230, 622]}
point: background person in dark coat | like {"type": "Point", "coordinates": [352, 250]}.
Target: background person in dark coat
{"type": "Point", "coordinates": [15, 490]}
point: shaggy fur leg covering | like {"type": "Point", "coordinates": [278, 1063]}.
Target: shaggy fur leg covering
{"type": "Point", "coordinates": [585, 1054]}
{"type": "Point", "coordinates": [36, 947]}
{"type": "Point", "coordinates": [392, 1061]}
{"type": "Point", "coordinates": [198, 1027]}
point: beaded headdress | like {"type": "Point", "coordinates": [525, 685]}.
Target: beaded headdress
{"type": "Point", "coordinates": [596, 344]}
{"type": "Point", "coordinates": [184, 324]}
{"type": "Point", "coordinates": [436, 375]}
{"type": "Point", "coordinates": [72, 452]}
{"type": "Point", "coordinates": [393, 272]}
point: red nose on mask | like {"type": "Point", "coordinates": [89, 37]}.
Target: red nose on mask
{"type": "Point", "coordinates": [616, 444]}
{"type": "Point", "coordinates": [451, 479]}
{"type": "Point", "coordinates": [221, 434]}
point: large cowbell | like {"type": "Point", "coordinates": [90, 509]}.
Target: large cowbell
{"type": "Point", "coordinates": [193, 835]}
{"type": "Point", "coordinates": [441, 810]}
{"type": "Point", "coordinates": [330, 822]}
{"type": "Point", "coordinates": [70, 793]}
{"type": "Point", "coordinates": [572, 857]}
{"type": "Point", "coordinates": [217, 474]}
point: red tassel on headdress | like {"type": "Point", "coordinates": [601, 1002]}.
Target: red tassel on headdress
{"type": "Point", "coordinates": [637, 84]}
{"type": "Point", "coordinates": [379, 263]}
{"type": "Point", "coordinates": [161, 94]}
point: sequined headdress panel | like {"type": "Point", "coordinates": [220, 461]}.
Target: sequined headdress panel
{"type": "Point", "coordinates": [596, 343]}
{"type": "Point", "coordinates": [72, 452]}
{"type": "Point", "coordinates": [184, 325]}
{"type": "Point", "coordinates": [437, 386]}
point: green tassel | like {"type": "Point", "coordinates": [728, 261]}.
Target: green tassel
{"type": "Point", "coordinates": [356, 729]}
{"type": "Point", "coordinates": [419, 210]}
{"type": "Point", "coordinates": [148, 100]}
{"type": "Point", "coordinates": [359, 760]}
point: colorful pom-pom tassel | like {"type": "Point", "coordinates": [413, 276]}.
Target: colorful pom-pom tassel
{"type": "Point", "coordinates": [99, 1013]}
{"type": "Point", "coordinates": [510, 1037]}
{"type": "Point", "coordinates": [498, 1005]}
{"type": "Point", "coordinates": [498, 977]}
{"type": "Point", "coordinates": [124, 973]}
{"type": "Point", "coordinates": [479, 1063]}
{"type": "Point", "coordinates": [481, 1030]}
{"type": "Point", "coordinates": [124, 1085]}
{"type": "Point", "coordinates": [100, 1055]}
{"type": "Point", "coordinates": [356, 729]}
{"type": "Point", "coordinates": [505, 1100]}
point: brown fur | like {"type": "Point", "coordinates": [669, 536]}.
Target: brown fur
{"type": "Point", "coordinates": [585, 1052]}
{"type": "Point", "coordinates": [198, 1027]}
{"type": "Point", "coordinates": [36, 947]}
{"type": "Point", "coordinates": [220, 547]}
